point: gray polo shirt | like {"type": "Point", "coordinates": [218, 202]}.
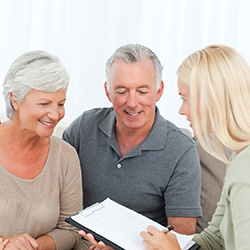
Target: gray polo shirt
{"type": "Point", "coordinates": [160, 177]}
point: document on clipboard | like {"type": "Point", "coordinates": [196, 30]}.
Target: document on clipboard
{"type": "Point", "coordinates": [119, 226]}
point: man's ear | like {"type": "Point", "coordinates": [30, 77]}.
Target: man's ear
{"type": "Point", "coordinates": [160, 91]}
{"type": "Point", "coordinates": [106, 91]}
{"type": "Point", "coordinates": [13, 101]}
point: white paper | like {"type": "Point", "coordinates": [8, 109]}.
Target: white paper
{"type": "Point", "coordinates": [120, 225]}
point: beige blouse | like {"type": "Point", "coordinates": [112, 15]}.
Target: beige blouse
{"type": "Point", "coordinates": [40, 205]}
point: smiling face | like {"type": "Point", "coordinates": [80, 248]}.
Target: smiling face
{"type": "Point", "coordinates": [184, 92]}
{"type": "Point", "coordinates": [40, 111]}
{"type": "Point", "coordinates": [133, 94]}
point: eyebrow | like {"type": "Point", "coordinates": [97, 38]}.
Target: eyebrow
{"type": "Point", "coordinates": [140, 87]}
{"type": "Point", "coordinates": [45, 99]}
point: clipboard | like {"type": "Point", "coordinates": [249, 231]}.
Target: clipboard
{"type": "Point", "coordinates": [194, 247]}
{"type": "Point", "coordinates": [119, 227]}
{"type": "Point", "coordinates": [97, 236]}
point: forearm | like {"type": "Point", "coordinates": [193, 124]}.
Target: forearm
{"type": "Point", "coordinates": [46, 242]}
{"type": "Point", "coordinates": [183, 225]}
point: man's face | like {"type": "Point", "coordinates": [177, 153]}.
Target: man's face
{"type": "Point", "coordinates": [133, 94]}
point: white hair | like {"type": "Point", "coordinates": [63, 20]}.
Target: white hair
{"type": "Point", "coordinates": [132, 53]}
{"type": "Point", "coordinates": [36, 70]}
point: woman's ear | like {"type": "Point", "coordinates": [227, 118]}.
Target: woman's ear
{"type": "Point", "coordinates": [13, 101]}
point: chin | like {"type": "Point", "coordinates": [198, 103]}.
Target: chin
{"type": "Point", "coordinates": [45, 135]}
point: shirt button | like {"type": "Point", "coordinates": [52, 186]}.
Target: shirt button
{"type": "Point", "coordinates": [119, 165]}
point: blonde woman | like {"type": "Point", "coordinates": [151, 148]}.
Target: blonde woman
{"type": "Point", "coordinates": [214, 84]}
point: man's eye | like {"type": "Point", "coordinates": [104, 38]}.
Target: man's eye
{"type": "Point", "coordinates": [44, 104]}
{"type": "Point", "coordinates": [61, 104]}
{"type": "Point", "coordinates": [143, 92]}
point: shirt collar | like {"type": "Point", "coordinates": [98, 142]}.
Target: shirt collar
{"type": "Point", "coordinates": [156, 140]}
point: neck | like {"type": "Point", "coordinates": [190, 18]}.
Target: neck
{"type": "Point", "coordinates": [129, 139]}
{"type": "Point", "coordinates": [20, 138]}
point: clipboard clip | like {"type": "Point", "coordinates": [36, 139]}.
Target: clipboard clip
{"type": "Point", "coordinates": [90, 210]}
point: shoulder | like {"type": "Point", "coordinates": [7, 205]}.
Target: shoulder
{"type": "Point", "coordinates": [90, 118]}
{"type": "Point", "coordinates": [239, 169]}
{"type": "Point", "coordinates": [64, 162]}
{"type": "Point", "coordinates": [178, 136]}
{"type": "Point", "coordinates": [84, 124]}
{"type": "Point", "coordinates": [176, 144]}
{"type": "Point", "coordinates": [93, 114]}
{"type": "Point", "coordinates": [62, 148]}
{"type": "Point", "coordinates": [166, 126]}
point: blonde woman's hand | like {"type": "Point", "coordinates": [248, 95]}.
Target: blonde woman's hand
{"type": "Point", "coordinates": [155, 239]}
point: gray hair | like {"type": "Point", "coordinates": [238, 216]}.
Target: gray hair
{"type": "Point", "coordinates": [132, 53]}
{"type": "Point", "coordinates": [36, 70]}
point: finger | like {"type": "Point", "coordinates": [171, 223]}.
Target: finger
{"type": "Point", "coordinates": [26, 242]}
{"type": "Point", "coordinates": [145, 235]}
{"type": "Point", "coordinates": [22, 244]}
{"type": "Point", "coordinates": [3, 243]}
{"type": "Point", "coordinates": [91, 239]}
{"type": "Point", "coordinates": [33, 242]}
{"type": "Point", "coordinates": [83, 234]}
{"type": "Point", "coordinates": [29, 242]}
{"type": "Point", "coordinates": [101, 244]}
{"type": "Point", "coordinates": [144, 242]}
{"type": "Point", "coordinates": [152, 230]}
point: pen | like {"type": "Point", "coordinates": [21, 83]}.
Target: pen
{"type": "Point", "coordinates": [168, 229]}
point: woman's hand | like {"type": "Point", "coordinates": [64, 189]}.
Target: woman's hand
{"type": "Point", "coordinates": [3, 243]}
{"type": "Point", "coordinates": [154, 239]}
{"type": "Point", "coordinates": [22, 242]}
{"type": "Point", "coordinates": [95, 245]}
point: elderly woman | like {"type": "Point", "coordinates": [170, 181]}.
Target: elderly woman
{"type": "Point", "coordinates": [40, 178]}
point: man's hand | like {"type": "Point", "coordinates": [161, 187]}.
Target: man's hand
{"type": "Point", "coordinates": [95, 245]}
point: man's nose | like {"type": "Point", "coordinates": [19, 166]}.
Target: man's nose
{"type": "Point", "coordinates": [132, 100]}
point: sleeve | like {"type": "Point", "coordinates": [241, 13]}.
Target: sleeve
{"type": "Point", "coordinates": [210, 238]}
{"type": "Point", "coordinates": [231, 221]}
{"type": "Point", "coordinates": [65, 235]}
{"type": "Point", "coordinates": [182, 195]}
{"type": "Point", "coordinates": [238, 197]}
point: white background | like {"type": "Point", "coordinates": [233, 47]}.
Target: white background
{"type": "Point", "coordinates": [84, 33]}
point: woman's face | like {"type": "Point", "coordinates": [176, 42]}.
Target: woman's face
{"type": "Point", "coordinates": [40, 111]}
{"type": "Point", "coordinates": [184, 92]}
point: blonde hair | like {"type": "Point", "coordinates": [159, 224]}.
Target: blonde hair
{"type": "Point", "coordinates": [219, 81]}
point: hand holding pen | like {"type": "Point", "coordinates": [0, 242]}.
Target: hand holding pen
{"type": "Point", "coordinates": [154, 239]}
{"type": "Point", "coordinates": [168, 229]}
